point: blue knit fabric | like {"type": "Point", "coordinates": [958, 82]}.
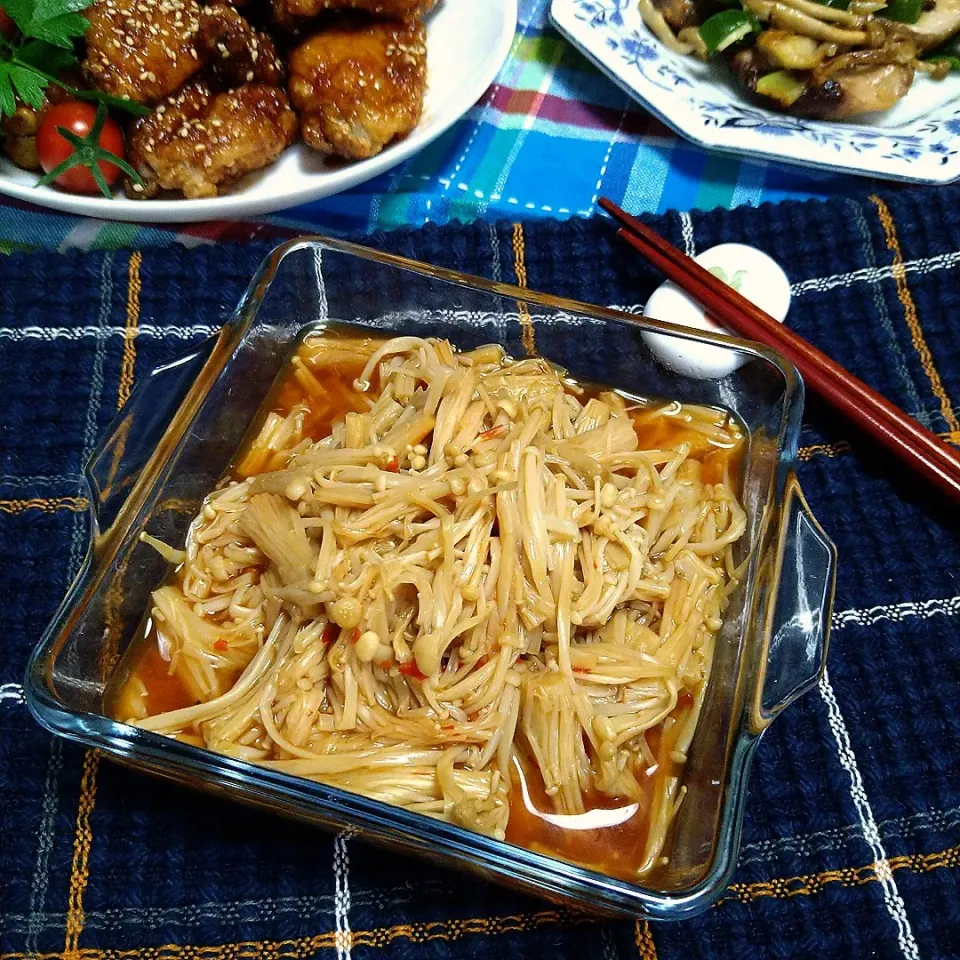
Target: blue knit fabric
{"type": "Point", "coordinates": [866, 768]}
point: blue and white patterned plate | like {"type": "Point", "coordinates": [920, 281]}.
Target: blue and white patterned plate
{"type": "Point", "coordinates": [918, 140]}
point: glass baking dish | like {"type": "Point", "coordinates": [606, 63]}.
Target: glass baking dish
{"type": "Point", "coordinates": [178, 433]}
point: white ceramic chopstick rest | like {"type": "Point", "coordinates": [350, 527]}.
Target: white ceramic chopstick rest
{"type": "Point", "coordinates": [751, 272]}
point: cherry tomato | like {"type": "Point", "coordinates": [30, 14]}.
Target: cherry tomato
{"type": "Point", "coordinates": [53, 149]}
{"type": "Point", "coordinates": [7, 26]}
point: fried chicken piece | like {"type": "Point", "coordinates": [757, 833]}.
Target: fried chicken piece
{"type": "Point", "coordinates": [237, 53]}
{"type": "Point", "coordinates": [359, 84]}
{"type": "Point", "coordinates": [142, 50]}
{"type": "Point", "coordinates": [198, 141]}
{"type": "Point", "coordinates": [287, 11]}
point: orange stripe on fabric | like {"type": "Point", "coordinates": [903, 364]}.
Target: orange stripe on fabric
{"type": "Point", "coordinates": [520, 268]}
{"type": "Point", "coordinates": [836, 449]}
{"type": "Point", "coordinates": [131, 330]}
{"type": "Point", "coordinates": [83, 836]}
{"type": "Point", "coordinates": [452, 930]}
{"type": "Point", "coordinates": [823, 450]}
{"type": "Point", "coordinates": [302, 947]}
{"type": "Point", "coordinates": [643, 937]}
{"type": "Point", "coordinates": [45, 504]}
{"type": "Point", "coordinates": [910, 314]}
{"type": "Point", "coordinates": [808, 884]}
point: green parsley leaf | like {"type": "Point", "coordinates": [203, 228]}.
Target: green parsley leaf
{"type": "Point", "coordinates": [60, 31]}
{"type": "Point", "coordinates": [56, 21]}
{"type": "Point", "coordinates": [28, 84]}
{"type": "Point", "coordinates": [45, 9]}
{"type": "Point", "coordinates": [108, 100]}
{"type": "Point", "coordinates": [20, 12]}
{"type": "Point", "coordinates": [45, 57]}
{"type": "Point", "coordinates": [8, 103]}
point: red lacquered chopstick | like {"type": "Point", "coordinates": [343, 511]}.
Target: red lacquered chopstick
{"type": "Point", "coordinates": [887, 423]}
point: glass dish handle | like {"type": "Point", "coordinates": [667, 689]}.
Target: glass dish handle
{"type": "Point", "coordinates": [799, 628]}
{"type": "Point", "coordinates": [133, 437]}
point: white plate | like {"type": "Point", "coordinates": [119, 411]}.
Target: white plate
{"type": "Point", "coordinates": [467, 43]}
{"type": "Point", "coordinates": [915, 141]}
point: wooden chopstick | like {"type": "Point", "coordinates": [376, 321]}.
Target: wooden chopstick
{"type": "Point", "coordinates": [887, 423]}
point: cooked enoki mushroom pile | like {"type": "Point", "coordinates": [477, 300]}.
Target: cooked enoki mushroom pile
{"type": "Point", "coordinates": [831, 59]}
{"type": "Point", "coordinates": [478, 567]}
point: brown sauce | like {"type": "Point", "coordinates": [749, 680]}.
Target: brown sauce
{"type": "Point", "coordinates": [611, 836]}
{"type": "Point", "coordinates": [143, 683]}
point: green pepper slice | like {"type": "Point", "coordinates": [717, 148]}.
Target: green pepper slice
{"type": "Point", "coordinates": [725, 28]}
{"type": "Point", "coordinates": [785, 86]}
{"type": "Point", "coordinates": [903, 11]}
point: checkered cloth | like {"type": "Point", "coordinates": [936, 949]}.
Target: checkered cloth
{"type": "Point", "coordinates": [545, 140]}
{"type": "Point", "coordinates": [852, 838]}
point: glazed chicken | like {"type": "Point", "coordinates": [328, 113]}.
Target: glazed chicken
{"type": "Point", "coordinates": [354, 71]}
{"type": "Point", "coordinates": [200, 141]}
{"type": "Point", "coordinates": [142, 50]}
{"type": "Point", "coordinates": [359, 84]}
{"type": "Point", "coordinates": [235, 52]}
{"type": "Point", "coordinates": [287, 12]}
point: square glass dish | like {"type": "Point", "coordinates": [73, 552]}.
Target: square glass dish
{"type": "Point", "coordinates": [179, 433]}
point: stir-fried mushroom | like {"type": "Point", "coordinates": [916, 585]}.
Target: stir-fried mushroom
{"type": "Point", "coordinates": [852, 92]}
{"type": "Point", "coordinates": [823, 93]}
{"type": "Point", "coordinates": [797, 19]}
{"type": "Point", "coordinates": [678, 13]}
{"type": "Point", "coordinates": [807, 57]}
{"type": "Point", "coordinates": [789, 51]}
{"type": "Point", "coordinates": [935, 26]}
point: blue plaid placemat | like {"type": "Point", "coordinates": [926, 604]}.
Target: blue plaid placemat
{"type": "Point", "coordinates": [852, 841]}
{"type": "Point", "coordinates": [548, 137]}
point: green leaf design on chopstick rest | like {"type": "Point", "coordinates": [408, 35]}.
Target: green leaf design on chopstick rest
{"type": "Point", "coordinates": [735, 282]}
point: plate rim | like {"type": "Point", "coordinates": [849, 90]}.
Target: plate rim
{"type": "Point", "coordinates": [233, 206]}
{"type": "Point", "coordinates": [846, 161]}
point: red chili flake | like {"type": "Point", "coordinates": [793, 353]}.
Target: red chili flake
{"type": "Point", "coordinates": [384, 664]}
{"type": "Point", "coordinates": [221, 644]}
{"type": "Point", "coordinates": [483, 661]}
{"type": "Point", "coordinates": [581, 670]}
{"type": "Point", "coordinates": [685, 699]}
{"type": "Point", "coordinates": [492, 433]}
{"type": "Point", "coordinates": [448, 726]}
{"type": "Point", "coordinates": [330, 632]}
{"type": "Point", "coordinates": [354, 634]}
{"type": "Point", "coordinates": [393, 465]}
{"type": "Point", "coordinates": [412, 670]}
